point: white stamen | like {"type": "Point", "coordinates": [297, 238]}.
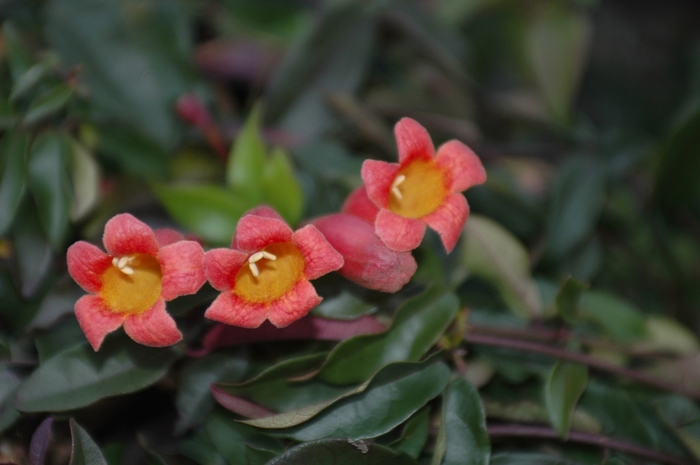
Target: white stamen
{"type": "Point", "coordinates": [122, 262]}
{"type": "Point", "coordinates": [115, 262]}
{"type": "Point", "coordinates": [127, 270]}
{"type": "Point", "coordinates": [397, 192]}
{"type": "Point", "coordinates": [395, 186]}
{"type": "Point", "coordinates": [269, 256]}
{"type": "Point", "coordinates": [254, 269]}
{"type": "Point", "coordinates": [255, 257]}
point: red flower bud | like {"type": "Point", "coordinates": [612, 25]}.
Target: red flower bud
{"type": "Point", "coordinates": [193, 111]}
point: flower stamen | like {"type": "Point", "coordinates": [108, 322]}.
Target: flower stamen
{"type": "Point", "coordinates": [121, 263]}
{"type": "Point", "coordinates": [395, 186]}
{"type": "Point", "coordinates": [256, 257]}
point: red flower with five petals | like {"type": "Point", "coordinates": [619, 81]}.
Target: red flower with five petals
{"type": "Point", "coordinates": [130, 284]}
{"type": "Point", "coordinates": [422, 189]}
{"type": "Point", "coordinates": [266, 273]}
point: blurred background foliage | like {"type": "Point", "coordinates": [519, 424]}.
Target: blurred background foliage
{"type": "Point", "coordinates": [586, 114]}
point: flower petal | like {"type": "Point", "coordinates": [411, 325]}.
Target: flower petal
{"type": "Point", "coordinates": [167, 236]}
{"type": "Point", "coordinates": [448, 220]}
{"type": "Point", "coordinates": [126, 235]}
{"type": "Point", "coordinates": [320, 257]}
{"type": "Point", "coordinates": [413, 141]}
{"type": "Point", "coordinates": [221, 267]}
{"type": "Point", "coordinates": [462, 166]}
{"type": "Point", "coordinates": [231, 309]}
{"type": "Point", "coordinates": [358, 204]}
{"type": "Point", "coordinates": [399, 233]}
{"type": "Point", "coordinates": [265, 211]}
{"type": "Point", "coordinates": [96, 320]}
{"type": "Point", "coordinates": [378, 177]}
{"type": "Point", "coordinates": [181, 265]}
{"type": "Point", "coordinates": [86, 264]}
{"type": "Point", "coordinates": [368, 262]}
{"type": "Point", "coordinates": [294, 304]}
{"type": "Point", "coordinates": [154, 327]}
{"type": "Point", "coordinates": [255, 232]}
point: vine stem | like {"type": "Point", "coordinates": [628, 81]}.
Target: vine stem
{"type": "Point", "coordinates": [563, 354]}
{"type": "Point", "coordinates": [591, 439]}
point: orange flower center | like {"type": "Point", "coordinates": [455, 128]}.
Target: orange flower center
{"type": "Point", "coordinates": [418, 189]}
{"type": "Point", "coordinates": [132, 284]}
{"type": "Point", "coordinates": [269, 276]}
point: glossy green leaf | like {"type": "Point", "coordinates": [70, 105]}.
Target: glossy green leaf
{"type": "Point", "coordinates": [84, 451]}
{"type": "Point", "coordinates": [12, 184]}
{"type": "Point", "coordinates": [467, 441]}
{"type": "Point", "coordinates": [28, 80]}
{"type": "Point", "coordinates": [494, 254]}
{"type": "Point", "coordinates": [529, 458]}
{"type": "Point", "coordinates": [247, 160]}
{"type": "Point", "coordinates": [79, 376]}
{"type": "Point", "coordinates": [49, 185]}
{"type": "Point", "coordinates": [530, 411]}
{"type": "Point", "coordinates": [32, 250]}
{"type": "Point", "coordinates": [568, 297]}
{"type": "Point", "coordinates": [85, 179]}
{"type": "Point", "coordinates": [576, 204]}
{"type": "Point", "coordinates": [393, 395]}
{"type": "Point", "coordinates": [414, 434]}
{"type": "Point", "coordinates": [48, 103]}
{"type": "Point", "coordinates": [617, 317]}
{"type": "Point", "coordinates": [417, 326]}
{"type": "Point", "coordinates": [281, 189]}
{"type": "Point", "coordinates": [62, 336]}
{"type": "Point", "coordinates": [8, 386]}
{"type": "Point", "coordinates": [240, 444]}
{"type": "Point", "coordinates": [565, 385]}
{"type": "Point", "coordinates": [344, 306]}
{"type": "Point", "coordinates": [341, 452]}
{"type": "Point", "coordinates": [194, 401]}
{"type": "Point", "coordinates": [557, 41]}
{"type": "Point", "coordinates": [209, 211]}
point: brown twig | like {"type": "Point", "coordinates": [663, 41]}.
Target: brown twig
{"type": "Point", "coordinates": [555, 352]}
{"type": "Point", "coordinates": [591, 439]}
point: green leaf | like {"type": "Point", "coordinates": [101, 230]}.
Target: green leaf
{"type": "Point", "coordinates": [341, 452]}
{"type": "Point", "coordinates": [49, 185]}
{"type": "Point", "coordinates": [577, 198]}
{"type": "Point", "coordinates": [48, 103]}
{"type": "Point", "coordinates": [31, 249]}
{"type": "Point", "coordinates": [281, 188]}
{"type": "Point", "coordinates": [246, 162]}
{"type": "Point", "coordinates": [467, 441]}
{"type": "Point", "coordinates": [13, 150]}
{"type": "Point", "coordinates": [414, 434]}
{"type": "Point", "coordinates": [194, 401]}
{"type": "Point", "coordinates": [565, 385]}
{"type": "Point", "coordinates": [18, 55]}
{"type": "Point", "coordinates": [669, 336]}
{"type": "Point", "coordinates": [28, 80]}
{"type": "Point", "coordinates": [683, 418]}
{"type": "Point", "coordinates": [209, 211]}
{"type": "Point", "coordinates": [131, 151]}
{"type": "Point", "coordinates": [344, 306]}
{"type": "Point", "coordinates": [619, 318]}
{"type": "Point", "coordinates": [8, 386]}
{"type": "Point", "coordinates": [557, 41]}
{"type": "Point", "coordinates": [528, 458]}
{"type": "Point", "coordinates": [529, 411]}
{"type": "Point", "coordinates": [79, 376]}
{"type": "Point", "coordinates": [568, 297]}
{"type": "Point", "coordinates": [494, 254]}
{"type": "Point", "coordinates": [417, 326]}
{"type": "Point", "coordinates": [392, 396]}
{"type": "Point", "coordinates": [85, 179]}
{"type": "Point", "coordinates": [84, 450]}
{"type": "Point", "coordinates": [240, 444]}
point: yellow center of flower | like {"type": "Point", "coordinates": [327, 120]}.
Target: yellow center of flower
{"type": "Point", "coordinates": [270, 273]}
{"type": "Point", "coordinates": [418, 189]}
{"type": "Point", "coordinates": [132, 284]}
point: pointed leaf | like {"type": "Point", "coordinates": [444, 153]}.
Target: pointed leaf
{"type": "Point", "coordinates": [48, 103]}
{"type": "Point", "coordinates": [494, 254]}
{"type": "Point", "coordinates": [344, 306]}
{"type": "Point", "coordinates": [414, 434]}
{"type": "Point", "coordinates": [85, 179]}
{"type": "Point", "coordinates": [246, 163]}
{"type": "Point", "coordinates": [619, 318]}
{"type": "Point", "coordinates": [467, 441]}
{"type": "Point", "coordinates": [79, 376]}
{"type": "Point", "coordinates": [84, 451]}
{"type": "Point", "coordinates": [568, 297]}
{"type": "Point", "coordinates": [417, 326]}
{"type": "Point", "coordinates": [209, 211]}
{"type": "Point", "coordinates": [565, 385]}
{"type": "Point", "coordinates": [341, 452]}
{"type": "Point", "coordinates": [281, 188]}
{"type": "Point", "coordinates": [13, 150]}
{"type": "Point", "coordinates": [28, 80]}
{"type": "Point", "coordinates": [18, 55]}
{"type": "Point", "coordinates": [40, 442]}
{"type": "Point", "coordinates": [49, 185]}
{"type": "Point", "coordinates": [8, 385]}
